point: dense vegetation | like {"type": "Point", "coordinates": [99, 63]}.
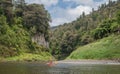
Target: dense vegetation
{"type": "Point", "coordinates": [86, 29]}
{"type": "Point", "coordinates": [18, 23]}
{"type": "Point", "coordinates": [106, 48]}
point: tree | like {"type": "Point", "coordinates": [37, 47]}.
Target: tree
{"type": "Point", "coordinates": [6, 9]}
{"type": "Point", "coordinates": [19, 6]}
{"type": "Point", "coordinates": [80, 29]}
{"type": "Point", "coordinates": [36, 16]}
{"type": "Point", "coordinates": [115, 28]}
{"type": "Point", "coordinates": [83, 14]}
{"type": "Point", "coordinates": [20, 2]}
{"type": "Point", "coordinates": [118, 17]}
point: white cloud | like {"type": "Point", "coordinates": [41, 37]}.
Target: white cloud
{"type": "Point", "coordinates": [45, 2]}
{"type": "Point", "coordinates": [68, 15]}
{"type": "Point", "coordinates": [84, 2]}
{"type": "Point", "coordinates": [59, 21]}
{"type": "Point", "coordinates": [91, 3]}
{"type": "Point", "coordinates": [76, 12]}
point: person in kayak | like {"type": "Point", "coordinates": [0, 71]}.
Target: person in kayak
{"type": "Point", "coordinates": [51, 62]}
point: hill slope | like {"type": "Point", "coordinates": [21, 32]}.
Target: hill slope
{"type": "Point", "coordinates": [85, 29]}
{"type": "Point", "coordinates": [20, 31]}
{"type": "Point", "coordinates": [106, 48]}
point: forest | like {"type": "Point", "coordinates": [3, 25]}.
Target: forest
{"type": "Point", "coordinates": [19, 23]}
{"type": "Point", "coordinates": [85, 30]}
{"type": "Point", "coordinates": [26, 35]}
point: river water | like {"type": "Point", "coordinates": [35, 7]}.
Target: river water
{"type": "Point", "coordinates": [61, 68]}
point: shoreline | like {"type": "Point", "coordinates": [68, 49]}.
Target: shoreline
{"type": "Point", "coordinates": [74, 62]}
{"type": "Point", "coordinates": [114, 62]}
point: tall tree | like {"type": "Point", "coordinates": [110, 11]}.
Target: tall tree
{"type": "Point", "coordinates": [35, 16]}
{"type": "Point", "coordinates": [7, 9]}
{"type": "Point", "coordinates": [20, 2]}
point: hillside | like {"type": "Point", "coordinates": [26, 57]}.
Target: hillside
{"type": "Point", "coordinates": [85, 29]}
{"type": "Point", "coordinates": [106, 48]}
{"type": "Point", "coordinates": [21, 26]}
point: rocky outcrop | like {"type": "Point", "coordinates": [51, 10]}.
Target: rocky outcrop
{"type": "Point", "coordinates": [40, 39]}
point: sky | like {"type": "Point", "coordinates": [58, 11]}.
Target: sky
{"type": "Point", "coordinates": [65, 11]}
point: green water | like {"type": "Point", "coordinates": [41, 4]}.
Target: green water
{"type": "Point", "coordinates": [41, 68]}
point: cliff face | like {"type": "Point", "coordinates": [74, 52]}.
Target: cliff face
{"type": "Point", "coordinates": [40, 39]}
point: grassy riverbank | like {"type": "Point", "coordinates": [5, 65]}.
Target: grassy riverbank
{"type": "Point", "coordinates": [28, 57]}
{"type": "Point", "coordinates": [106, 48]}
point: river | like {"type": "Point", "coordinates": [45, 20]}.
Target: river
{"type": "Point", "coordinates": [60, 68]}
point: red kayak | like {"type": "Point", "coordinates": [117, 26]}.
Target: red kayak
{"type": "Point", "coordinates": [51, 63]}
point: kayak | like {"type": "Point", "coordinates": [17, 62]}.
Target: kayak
{"type": "Point", "coordinates": [51, 63]}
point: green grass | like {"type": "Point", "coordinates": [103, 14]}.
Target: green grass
{"type": "Point", "coordinates": [44, 56]}
{"type": "Point", "coordinates": [106, 48]}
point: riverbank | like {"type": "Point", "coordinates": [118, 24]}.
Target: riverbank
{"type": "Point", "coordinates": [27, 57]}
{"type": "Point", "coordinates": [90, 62]}
{"type": "Point", "coordinates": [106, 48]}
{"type": "Point", "coordinates": [72, 62]}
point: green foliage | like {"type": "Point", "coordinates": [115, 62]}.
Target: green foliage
{"type": "Point", "coordinates": [43, 56]}
{"type": "Point", "coordinates": [94, 16]}
{"type": "Point", "coordinates": [106, 48]}
{"type": "Point", "coordinates": [99, 33]}
{"type": "Point", "coordinates": [115, 28]}
{"type": "Point", "coordinates": [1, 11]}
{"type": "Point", "coordinates": [3, 25]}
{"type": "Point", "coordinates": [15, 36]}
{"type": "Point", "coordinates": [118, 17]}
{"type": "Point", "coordinates": [86, 29]}
{"type": "Point", "coordinates": [6, 9]}
{"type": "Point", "coordinates": [103, 30]}
{"type": "Point", "coordinates": [36, 18]}
{"type": "Point", "coordinates": [86, 39]}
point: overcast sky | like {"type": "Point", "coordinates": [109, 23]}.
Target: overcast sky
{"type": "Point", "coordinates": [64, 11]}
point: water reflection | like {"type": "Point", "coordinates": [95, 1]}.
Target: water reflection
{"type": "Point", "coordinates": [85, 69]}
{"type": "Point", "coordinates": [40, 68]}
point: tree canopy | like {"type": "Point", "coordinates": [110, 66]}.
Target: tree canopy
{"type": "Point", "coordinates": [18, 23]}
{"type": "Point", "coordinates": [86, 29]}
